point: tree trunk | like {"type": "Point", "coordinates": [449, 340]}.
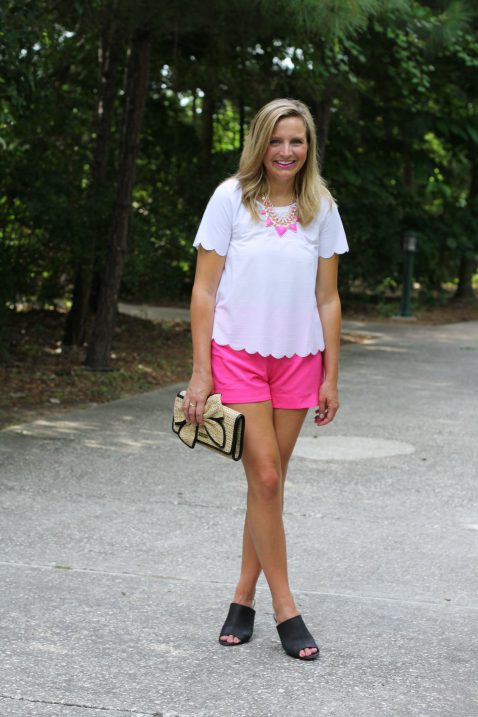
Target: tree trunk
{"type": "Point", "coordinates": [75, 329]}
{"type": "Point", "coordinates": [242, 123]}
{"type": "Point", "coordinates": [137, 73]}
{"type": "Point", "coordinates": [207, 128]}
{"type": "Point", "coordinates": [194, 107]}
{"type": "Point", "coordinates": [324, 114]}
{"type": "Point", "coordinates": [468, 263]}
{"type": "Point", "coordinates": [467, 268]}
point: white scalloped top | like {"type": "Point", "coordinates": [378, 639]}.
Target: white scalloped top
{"type": "Point", "coordinates": [266, 302]}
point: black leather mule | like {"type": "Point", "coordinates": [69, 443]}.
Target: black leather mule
{"type": "Point", "coordinates": [240, 623]}
{"type": "Point", "coordinates": [295, 637]}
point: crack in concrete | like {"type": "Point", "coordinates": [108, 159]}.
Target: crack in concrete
{"type": "Point", "coordinates": [120, 573]}
{"type": "Point", "coordinates": [239, 509]}
{"type": "Point", "coordinates": [118, 710]}
{"type": "Point", "coordinates": [445, 603]}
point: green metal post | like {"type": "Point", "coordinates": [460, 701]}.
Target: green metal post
{"type": "Point", "coordinates": [409, 246]}
{"type": "Point", "coordinates": [407, 284]}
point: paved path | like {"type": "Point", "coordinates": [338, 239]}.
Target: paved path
{"type": "Point", "coordinates": [120, 547]}
{"type": "Point", "coordinates": [154, 313]}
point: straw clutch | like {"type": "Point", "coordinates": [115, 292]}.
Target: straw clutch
{"type": "Point", "coordinates": [222, 430]}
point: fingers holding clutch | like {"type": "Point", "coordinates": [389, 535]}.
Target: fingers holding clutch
{"type": "Point", "coordinates": [193, 409]}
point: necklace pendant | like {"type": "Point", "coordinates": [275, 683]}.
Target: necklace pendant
{"type": "Point", "coordinates": [281, 230]}
{"type": "Point", "coordinates": [280, 223]}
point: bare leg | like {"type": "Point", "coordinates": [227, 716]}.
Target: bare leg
{"type": "Point", "coordinates": [287, 425]}
{"type": "Point", "coordinates": [268, 445]}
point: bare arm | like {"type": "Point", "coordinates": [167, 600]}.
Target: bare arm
{"type": "Point", "coordinates": [328, 303]}
{"type": "Point", "coordinates": [209, 268]}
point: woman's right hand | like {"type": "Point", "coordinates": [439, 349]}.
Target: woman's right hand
{"type": "Point", "coordinates": [198, 391]}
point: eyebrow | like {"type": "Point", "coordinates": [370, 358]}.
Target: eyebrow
{"type": "Point", "coordinates": [292, 140]}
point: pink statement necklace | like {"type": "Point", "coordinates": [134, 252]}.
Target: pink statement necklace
{"type": "Point", "coordinates": [280, 224]}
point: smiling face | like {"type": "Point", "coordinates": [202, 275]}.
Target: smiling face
{"type": "Point", "coordinates": [287, 151]}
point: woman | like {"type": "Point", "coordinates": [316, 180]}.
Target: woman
{"type": "Point", "coordinates": [265, 317]}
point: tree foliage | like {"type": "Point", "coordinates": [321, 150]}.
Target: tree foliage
{"type": "Point", "coordinates": [392, 86]}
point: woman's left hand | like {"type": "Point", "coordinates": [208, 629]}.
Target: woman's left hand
{"type": "Point", "coordinates": [328, 404]}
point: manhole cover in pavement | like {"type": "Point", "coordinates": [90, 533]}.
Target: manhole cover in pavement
{"type": "Point", "coordinates": [349, 448]}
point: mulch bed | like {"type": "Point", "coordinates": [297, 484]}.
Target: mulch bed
{"type": "Point", "coordinates": [40, 377]}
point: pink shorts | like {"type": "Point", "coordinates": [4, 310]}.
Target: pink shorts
{"type": "Point", "coordinates": [241, 377]}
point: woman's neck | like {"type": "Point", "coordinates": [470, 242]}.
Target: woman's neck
{"type": "Point", "coordinates": [281, 194]}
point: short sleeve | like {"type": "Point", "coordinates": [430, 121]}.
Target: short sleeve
{"type": "Point", "coordinates": [332, 239]}
{"type": "Point", "coordinates": [215, 228]}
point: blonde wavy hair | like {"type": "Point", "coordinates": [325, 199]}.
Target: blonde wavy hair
{"type": "Point", "coordinates": [309, 187]}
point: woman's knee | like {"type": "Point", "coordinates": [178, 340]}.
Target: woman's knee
{"type": "Point", "coordinates": [266, 483]}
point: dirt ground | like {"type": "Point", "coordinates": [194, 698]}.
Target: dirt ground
{"type": "Point", "coordinates": [40, 377]}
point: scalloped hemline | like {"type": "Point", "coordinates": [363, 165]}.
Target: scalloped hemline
{"type": "Point", "coordinates": [208, 248]}
{"type": "Point", "coordinates": [270, 355]}
{"type": "Point", "coordinates": [327, 256]}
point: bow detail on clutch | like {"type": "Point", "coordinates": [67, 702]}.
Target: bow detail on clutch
{"type": "Point", "coordinates": [213, 426]}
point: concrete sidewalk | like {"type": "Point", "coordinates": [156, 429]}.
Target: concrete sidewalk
{"type": "Point", "coordinates": [120, 549]}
